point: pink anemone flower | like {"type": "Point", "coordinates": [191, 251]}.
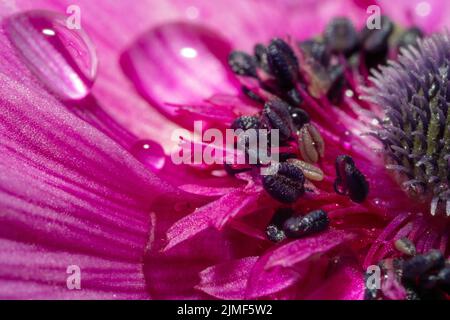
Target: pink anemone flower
{"type": "Point", "coordinates": [361, 180]}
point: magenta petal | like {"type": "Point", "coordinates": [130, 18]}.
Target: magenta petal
{"type": "Point", "coordinates": [70, 191]}
{"type": "Point", "coordinates": [215, 214]}
{"type": "Point", "coordinates": [286, 265]}
{"type": "Point", "coordinates": [244, 23]}
{"type": "Point", "coordinates": [188, 60]}
{"type": "Point", "coordinates": [346, 283]}
{"type": "Point", "coordinates": [392, 288]}
{"type": "Point", "coordinates": [297, 251]}
{"type": "Point", "coordinates": [263, 282]}
{"type": "Point", "coordinates": [35, 272]}
{"type": "Point", "coordinates": [227, 280]}
{"type": "Point", "coordinates": [430, 15]}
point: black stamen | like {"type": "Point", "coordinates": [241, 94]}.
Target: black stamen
{"type": "Point", "coordinates": [376, 40]}
{"type": "Point", "coordinates": [420, 264]}
{"type": "Point", "coordinates": [375, 43]}
{"type": "Point", "coordinates": [235, 169]}
{"type": "Point", "coordinates": [274, 230]}
{"type": "Point", "coordinates": [294, 97]}
{"type": "Point", "coordinates": [409, 37]}
{"type": "Point", "coordinates": [260, 52]}
{"type": "Point", "coordinates": [349, 180]}
{"type": "Point", "coordinates": [276, 114]}
{"type": "Point", "coordinates": [341, 36]}
{"type": "Point", "coordinates": [444, 279]}
{"type": "Point", "coordinates": [286, 184]}
{"type": "Point", "coordinates": [246, 122]}
{"type": "Point", "coordinates": [313, 222]}
{"type": "Point", "coordinates": [337, 79]}
{"type": "Point", "coordinates": [274, 234]}
{"type": "Point", "coordinates": [283, 63]}
{"type": "Point", "coordinates": [252, 95]}
{"type": "Point", "coordinates": [299, 117]}
{"type": "Point", "coordinates": [428, 281]}
{"type": "Point", "coordinates": [316, 50]}
{"type": "Point", "coordinates": [242, 63]}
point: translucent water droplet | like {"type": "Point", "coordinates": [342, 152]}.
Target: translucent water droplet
{"type": "Point", "coordinates": [149, 153]}
{"type": "Point", "coordinates": [64, 59]}
{"type": "Point", "coordinates": [347, 145]}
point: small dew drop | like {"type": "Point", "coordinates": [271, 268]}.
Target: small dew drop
{"type": "Point", "coordinates": [192, 13]}
{"type": "Point", "coordinates": [63, 59]}
{"type": "Point", "coordinates": [188, 52]}
{"type": "Point", "coordinates": [346, 141]}
{"type": "Point", "coordinates": [150, 154]}
{"type": "Point", "coordinates": [349, 93]}
{"type": "Point", "coordinates": [423, 9]}
{"type": "Point", "coordinates": [347, 145]}
{"type": "Point", "coordinates": [49, 32]}
{"type": "Point", "coordinates": [219, 173]}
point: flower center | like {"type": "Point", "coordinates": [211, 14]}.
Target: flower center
{"type": "Point", "coordinates": [414, 94]}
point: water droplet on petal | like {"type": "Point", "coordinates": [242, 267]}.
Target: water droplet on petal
{"type": "Point", "coordinates": [64, 59]}
{"type": "Point", "coordinates": [150, 154]}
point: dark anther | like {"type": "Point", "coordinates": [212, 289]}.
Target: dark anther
{"type": "Point", "coordinates": [294, 97]}
{"type": "Point", "coordinates": [274, 234]}
{"type": "Point", "coordinates": [376, 40]}
{"type": "Point", "coordinates": [428, 281]}
{"type": "Point", "coordinates": [276, 115]}
{"type": "Point", "coordinates": [341, 36]}
{"type": "Point", "coordinates": [299, 117]}
{"type": "Point", "coordinates": [252, 95]}
{"type": "Point", "coordinates": [316, 50]}
{"type": "Point", "coordinates": [233, 169]}
{"type": "Point", "coordinates": [412, 293]}
{"type": "Point", "coordinates": [444, 279]}
{"type": "Point", "coordinates": [337, 79]}
{"type": "Point", "coordinates": [409, 37]}
{"type": "Point", "coordinates": [285, 156]}
{"type": "Point", "coordinates": [283, 63]}
{"type": "Point", "coordinates": [274, 230]}
{"type": "Point", "coordinates": [242, 63]}
{"type": "Point", "coordinates": [245, 123]}
{"type": "Point", "coordinates": [260, 52]}
{"type": "Point", "coordinates": [286, 184]}
{"type": "Point", "coordinates": [250, 126]}
{"type": "Point", "coordinates": [375, 43]}
{"type": "Point", "coordinates": [420, 264]}
{"type": "Point", "coordinates": [281, 215]}
{"type": "Point", "coordinates": [349, 180]}
{"type": "Point", "coordinates": [313, 222]}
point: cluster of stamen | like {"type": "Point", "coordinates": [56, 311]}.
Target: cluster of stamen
{"type": "Point", "coordinates": [286, 223]}
{"type": "Point", "coordinates": [284, 77]}
{"type": "Point", "coordinates": [423, 276]}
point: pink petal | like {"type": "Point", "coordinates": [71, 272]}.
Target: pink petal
{"type": "Point", "coordinates": [245, 23]}
{"type": "Point", "coordinates": [297, 251]}
{"type": "Point", "coordinates": [345, 283]}
{"type": "Point", "coordinates": [216, 213]}
{"type": "Point", "coordinates": [37, 272]}
{"type": "Point", "coordinates": [63, 189]}
{"type": "Point", "coordinates": [430, 15]}
{"type": "Point", "coordinates": [263, 282]}
{"type": "Point", "coordinates": [175, 273]}
{"type": "Point", "coordinates": [227, 280]}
